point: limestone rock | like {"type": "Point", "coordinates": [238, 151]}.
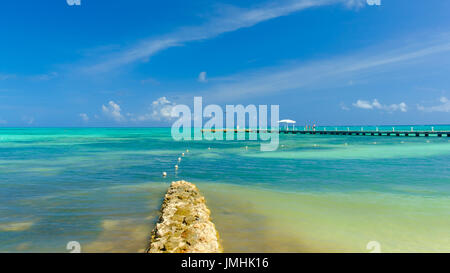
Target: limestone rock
{"type": "Point", "coordinates": [184, 225]}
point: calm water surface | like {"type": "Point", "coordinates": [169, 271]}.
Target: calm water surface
{"type": "Point", "coordinates": [103, 188]}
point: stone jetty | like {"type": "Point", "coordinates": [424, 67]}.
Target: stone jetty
{"type": "Point", "coordinates": [184, 225]}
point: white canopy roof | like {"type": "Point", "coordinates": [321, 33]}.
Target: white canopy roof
{"type": "Point", "coordinates": [287, 121]}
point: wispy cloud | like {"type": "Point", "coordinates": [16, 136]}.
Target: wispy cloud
{"type": "Point", "coordinates": [202, 77]}
{"type": "Point", "coordinates": [331, 72]}
{"type": "Point", "coordinates": [357, 4]}
{"type": "Point", "coordinates": [231, 20]}
{"type": "Point", "coordinates": [363, 104]}
{"type": "Point", "coordinates": [113, 111]}
{"type": "Point", "coordinates": [84, 116]}
{"type": "Point", "coordinates": [444, 106]}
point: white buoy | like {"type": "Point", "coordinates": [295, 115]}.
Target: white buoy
{"type": "Point", "coordinates": [176, 167]}
{"type": "Point", "coordinates": [209, 148]}
{"type": "Point", "coordinates": [179, 159]}
{"type": "Point", "coordinates": [182, 154]}
{"type": "Point", "coordinates": [164, 174]}
{"type": "Point", "coordinates": [187, 150]}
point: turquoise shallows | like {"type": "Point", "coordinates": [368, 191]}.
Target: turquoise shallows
{"type": "Point", "coordinates": [103, 187]}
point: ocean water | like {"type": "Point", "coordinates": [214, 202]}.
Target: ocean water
{"type": "Point", "coordinates": [103, 187]}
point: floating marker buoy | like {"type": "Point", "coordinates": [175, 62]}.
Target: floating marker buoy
{"type": "Point", "coordinates": [209, 148]}
{"type": "Point", "coordinates": [182, 154]}
{"type": "Point", "coordinates": [179, 159]}
{"type": "Point", "coordinates": [164, 174]}
{"type": "Point", "coordinates": [176, 167]}
{"type": "Point", "coordinates": [187, 151]}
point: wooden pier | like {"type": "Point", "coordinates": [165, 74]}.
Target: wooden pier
{"type": "Point", "coordinates": [342, 132]}
{"type": "Point", "coordinates": [372, 133]}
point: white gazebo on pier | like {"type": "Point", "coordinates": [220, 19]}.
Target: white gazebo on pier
{"type": "Point", "coordinates": [287, 122]}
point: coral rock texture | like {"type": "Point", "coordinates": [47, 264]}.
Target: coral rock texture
{"type": "Point", "coordinates": [184, 225]}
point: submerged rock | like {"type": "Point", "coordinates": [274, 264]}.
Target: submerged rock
{"type": "Point", "coordinates": [184, 225]}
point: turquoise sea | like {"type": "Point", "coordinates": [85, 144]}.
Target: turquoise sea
{"type": "Point", "coordinates": [102, 187]}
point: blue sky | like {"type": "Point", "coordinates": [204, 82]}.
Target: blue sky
{"type": "Point", "coordinates": [126, 63]}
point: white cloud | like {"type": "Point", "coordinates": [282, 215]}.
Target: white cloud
{"type": "Point", "coordinates": [84, 116]}
{"type": "Point", "coordinates": [113, 110]}
{"type": "Point", "coordinates": [326, 73]}
{"type": "Point", "coordinates": [376, 104]}
{"type": "Point", "coordinates": [233, 19]}
{"type": "Point", "coordinates": [363, 104]}
{"type": "Point", "coordinates": [443, 107]}
{"type": "Point", "coordinates": [356, 3]}
{"type": "Point", "coordinates": [160, 110]}
{"type": "Point", "coordinates": [202, 77]}
{"type": "Point", "coordinates": [394, 107]}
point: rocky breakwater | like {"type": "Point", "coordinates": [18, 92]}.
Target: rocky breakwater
{"type": "Point", "coordinates": [184, 225]}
